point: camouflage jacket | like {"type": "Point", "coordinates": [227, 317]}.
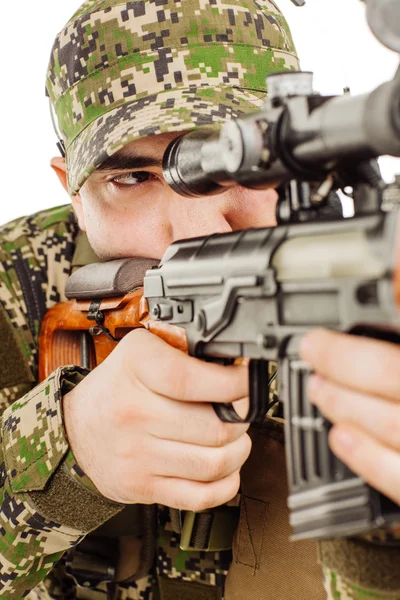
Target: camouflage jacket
{"type": "Point", "coordinates": [47, 505]}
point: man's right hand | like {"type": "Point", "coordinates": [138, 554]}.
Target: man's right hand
{"type": "Point", "coordinates": [142, 428]}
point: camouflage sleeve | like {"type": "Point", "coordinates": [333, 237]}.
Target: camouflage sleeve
{"type": "Point", "coordinates": [44, 508]}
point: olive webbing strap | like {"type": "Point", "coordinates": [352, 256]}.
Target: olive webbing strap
{"type": "Point", "coordinates": [200, 537]}
{"type": "Point", "coordinates": [174, 515]}
{"type": "Point", "coordinates": [147, 555]}
{"type": "Point", "coordinates": [173, 589]}
{"type": "Point", "coordinates": [202, 530]}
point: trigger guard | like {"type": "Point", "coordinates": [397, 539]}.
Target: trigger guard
{"type": "Point", "coordinates": [228, 414]}
{"type": "Point", "coordinates": [258, 402]}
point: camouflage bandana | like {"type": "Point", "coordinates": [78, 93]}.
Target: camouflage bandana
{"type": "Point", "coordinates": [120, 71]}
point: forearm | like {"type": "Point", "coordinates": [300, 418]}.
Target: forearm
{"type": "Point", "coordinates": [45, 505]}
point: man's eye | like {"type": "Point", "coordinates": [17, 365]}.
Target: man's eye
{"type": "Point", "coordinates": [133, 178]}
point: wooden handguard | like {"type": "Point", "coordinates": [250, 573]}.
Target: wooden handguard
{"type": "Point", "coordinates": [64, 325]}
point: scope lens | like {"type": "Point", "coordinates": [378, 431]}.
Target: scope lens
{"type": "Point", "coordinates": [170, 167]}
{"type": "Point", "coordinates": [182, 164]}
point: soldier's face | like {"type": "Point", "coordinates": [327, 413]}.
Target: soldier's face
{"type": "Point", "coordinates": [127, 209]}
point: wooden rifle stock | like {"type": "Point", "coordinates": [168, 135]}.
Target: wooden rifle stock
{"type": "Point", "coordinates": [67, 331]}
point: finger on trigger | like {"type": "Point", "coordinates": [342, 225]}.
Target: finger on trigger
{"type": "Point", "coordinates": [174, 374]}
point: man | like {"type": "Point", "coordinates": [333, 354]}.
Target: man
{"type": "Point", "coordinates": [125, 78]}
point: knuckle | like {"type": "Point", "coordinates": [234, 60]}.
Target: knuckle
{"type": "Point", "coordinates": [209, 498]}
{"type": "Point", "coordinates": [121, 484]}
{"type": "Point", "coordinates": [217, 466]}
{"type": "Point", "coordinates": [145, 490]}
{"type": "Point", "coordinates": [206, 464]}
{"type": "Point", "coordinates": [223, 434]}
{"type": "Point", "coordinates": [121, 413]}
{"type": "Point", "coordinates": [205, 499]}
{"type": "Point", "coordinates": [247, 446]}
{"type": "Point", "coordinates": [235, 486]}
{"type": "Point", "coordinates": [211, 495]}
{"type": "Point", "coordinates": [200, 505]}
{"type": "Point", "coordinates": [194, 500]}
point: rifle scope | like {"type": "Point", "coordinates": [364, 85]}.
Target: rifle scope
{"type": "Point", "coordinates": [297, 134]}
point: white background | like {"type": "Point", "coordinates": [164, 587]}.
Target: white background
{"type": "Point", "coordinates": [332, 40]}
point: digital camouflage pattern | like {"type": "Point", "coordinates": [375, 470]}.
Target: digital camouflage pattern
{"type": "Point", "coordinates": [123, 70]}
{"type": "Point", "coordinates": [34, 446]}
{"type": "Point", "coordinates": [338, 588]}
{"type": "Point", "coordinates": [118, 71]}
{"type": "Point", "coordinates": [40, 248]}
{"type": "Point", "coordinates": [35, 256]}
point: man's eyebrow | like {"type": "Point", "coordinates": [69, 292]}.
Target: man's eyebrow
{"type": "Point", "coordinates": [124, 162]}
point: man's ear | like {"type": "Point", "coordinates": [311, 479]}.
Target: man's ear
{"type": "Point", "coordinates": [60, 168]}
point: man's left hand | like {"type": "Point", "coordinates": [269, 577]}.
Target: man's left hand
{"type": "Point", "coordinates": [356, 385]}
